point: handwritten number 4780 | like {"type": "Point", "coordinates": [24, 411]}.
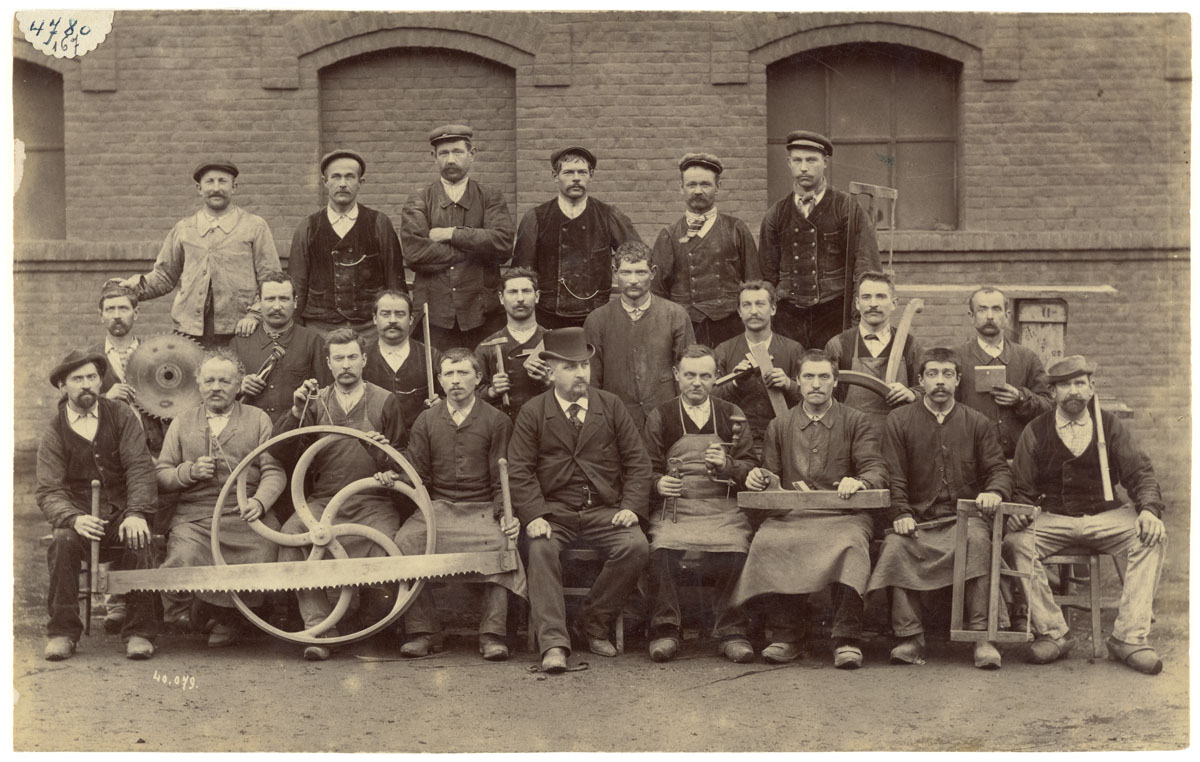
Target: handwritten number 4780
{"type": "Point", "coordinates": [70, 34]}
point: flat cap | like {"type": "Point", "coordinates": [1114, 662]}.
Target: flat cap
{"type": "Point", "coordinates": [585, 153]}
{"type": "Point", "coordinates": [344, 153]}
{"type": "Point", "coordinates": [450, 132]}
{"type": "Point", "coordinates": [77, 359]}
{"type": "Point", "coordinates": [706, 160]}
{"type": "Point", "coordinates": [220, 164]}
{"type": "Point", "coordinates": [811, 140]}
{"type": "Point", "coordinates": [1068, 368]}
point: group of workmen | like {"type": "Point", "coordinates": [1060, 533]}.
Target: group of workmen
{"type": "Point", "coordinates": [630, 422]}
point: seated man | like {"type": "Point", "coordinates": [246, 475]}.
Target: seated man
{"type": "Point", "coordinates": [828, 446]}
{"type": "Point", "coordinates": [579, 472]}
{"type": "Point", "coordinates": [201, 449]}
{"type": "Point", "coordinates": [699, 512]}
{"type": "Point", "coordinates": [454, 447]}
{"type": "Point", "coordinates": [937, 453]}
{"type": "Point", "coordinates": [1058, 458]}
{"type": "Point", "coordinates": [351, 402]}
{"type": "Point", "coordinates": [93, 438]}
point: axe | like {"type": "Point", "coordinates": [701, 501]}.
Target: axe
{"type": "Point", "coordinates": [496, 345]}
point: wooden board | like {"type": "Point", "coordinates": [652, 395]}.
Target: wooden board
{"type": "Point", "coordinates": [816, 500]}
{"type": "Point", "coordinates": [763, 358]}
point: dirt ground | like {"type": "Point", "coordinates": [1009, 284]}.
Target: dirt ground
{"type": "Point", "coordinates": [260, 695]}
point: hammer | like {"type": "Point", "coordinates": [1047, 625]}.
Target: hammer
{"type": "Point", "coordinates": [673, 469]}
{"type": "Point", "coordinates": [495, 344]}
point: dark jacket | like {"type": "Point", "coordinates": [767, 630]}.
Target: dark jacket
{"type": "Point", "coordinates": [409, 384]}
{"type": "Point", "coordinates": [853, 449]}
{"type": "Point", "coordinates": [1024, 371]}
{"type": "Point", "coordinates": [667, 424]}
{"type": "Point", "coordinates": [523, 388]}
{"type": "Point", "coordinates": [749, 392]}
{"type": "Point", "coordinates": [703, 275]}
{"type": "Point", "coordinates": [459, 463]}
{"type": "Point", "coordinates": [304, 358]}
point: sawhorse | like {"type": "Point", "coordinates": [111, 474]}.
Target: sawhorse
{"type": "Point", "coordinates": [967, 509]}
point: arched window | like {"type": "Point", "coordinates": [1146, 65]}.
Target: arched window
{"type": "Point", "coordinates": [40, 204]}
{"type": "Point", "coordinates": [892, 114]}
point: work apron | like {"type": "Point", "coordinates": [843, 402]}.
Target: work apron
{"type": "Point", "coordinates": [864, 399]}
{"type": "Point", "coordinates": [463, 528]}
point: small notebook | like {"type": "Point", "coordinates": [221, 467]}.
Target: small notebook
{"type": "Point", "coordinates": [989, 376]}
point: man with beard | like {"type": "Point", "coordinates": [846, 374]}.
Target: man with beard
{"type": "Point", "coordinates": [1024, 395]}
{"type": "Point", "coordinates": [345, 254]}
{"type": "Point", "coordinates": [455, 448]}
{"type": "Point", "coordinates": [1058, 466]}
{"type": "Point", "coordinates": [815, 243]}
{"type": "Point", "coordinates": [202, 447]}
{"type": "Point", "coordinates": [218, 257]}
{"type": "Point", "coordinates": [938, 453]}
{"type": "Point", "coordinates": [701, 501]}
{"type": "Point", "coordinates": [455, 235]}
{"type": "Point", "coordinates": [579, 473]}
{"type": "Point", "coordinates": [94, 438]}
{"type": "Point", "coordinates": [397, 361]}
{"type": "Point", "coordinates": [522, 376]}
{"type": "Point", "coordinates": [268, 385]}
{"type": "Point", "coordinates": [353, 403]}
{"type": "Point", "coordinates": [828, 446]}
{"type": "Point", "coordinates": [638, 338]}
{"type": "Point", "coordinates": [569, 241]}
{"type": "Point", "coordinates": [703, 257]}
{"type": "Point", "coordinates": [756, 307]}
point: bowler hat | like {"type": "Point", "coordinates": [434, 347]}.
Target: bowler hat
{"type": "Point", "coordinates": [811, 140]}
{"type": "Point", "coordinates": [220, 164]}
{"type": "Point", "coordinates": [1068, 368]}
{"type": "Point", "coordinates": [344, 153]}
{"type": "Point", "coordinates": [566, 344]}
{"type": "Point", "coordinates": [450, 132]}
{"type": "Point", "coordinates": [588, 156]}
{"type": "Point", "coordinates": [77, 359]}
{"type": "Point", "coordinates": [706, 160]}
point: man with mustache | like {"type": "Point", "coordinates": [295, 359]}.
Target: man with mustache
{"type": "Point", "coordinates": [1024, 395]}
{"type": "Point", "coordinates": [938, 452]}
{"type": "Point", "coordinates": [705, 254]}
{"type": "Point", "coordinates": [828, 446]}
{"type": "Point", "coordinates": [1057, 466]}
{"type": "Point", "coordinates": [397, 361]}
{"type": "Point", "coordinates": [202, 447]}
{"type": "Point", "coordinates": [354, 403]}
{"type": "Point", "coordinates": [94, 438]}
{"type": "Point", "coordinates": [523, 376]}
{"type": "Point", "coordinates": [569, 241]}
{"type": "Point", "coordinates": [217, 257]}
{"type": "Point", "coordinates": [638, 338]}
{"type": "Point", "coordinates": [580, 472]}
{"type": "Point", "coordinates": [345, 254]}
{"type": "Point", "coordinates": [455, 235]}
{"type": "Point", "coordinates": [814, 244]}
{"type": "Point", "coordinates": [455, 448]}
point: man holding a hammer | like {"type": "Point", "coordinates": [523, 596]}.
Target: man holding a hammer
{"type": "Point", "coordinates": [512, 372]}
{"type": "Point", "coordinates": [398, 362]}
{"type": "Point", "coordinates": [1070, 462]}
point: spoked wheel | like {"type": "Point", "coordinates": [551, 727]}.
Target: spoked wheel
{"type": "Point", "coordinates": [322, 534]}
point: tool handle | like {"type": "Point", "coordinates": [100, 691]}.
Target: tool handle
{"type": "Point", "coordinates": [428, 354]}
{"type": "Point", "coordinates": [900, 337]}
{"type": "Point", "coordinates": [506, 498]}
{"type": "Point", "coordinates": [1102, 446]}
{"type": "Point", "coordinates": [501, 367]}
{"type": "Point", "coordinates": [94, 567]}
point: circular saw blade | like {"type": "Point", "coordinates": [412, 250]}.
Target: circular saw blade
{"type": "Point", "coordinates": [163, 372]}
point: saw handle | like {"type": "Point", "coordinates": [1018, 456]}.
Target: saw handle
{"type": "Point", "coordinates": [1102, 446]}
{"type": "Point", "coordinates": [506, 498]}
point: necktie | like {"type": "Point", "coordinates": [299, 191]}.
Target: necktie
{"type": "Point", "coordinates": [804, 203]}
{"type": "Point", "coordinates": [573, 415]}
{"type": "Point", "coordinates": [871, 337]}
{"type": "Point", "coordinates": [123, 358]}
{"type": "Point", "coordinates": [695, 223]}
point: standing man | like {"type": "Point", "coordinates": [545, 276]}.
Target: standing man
{"type": "Point", "coordinates": [828, 446]}
{"type": "Point", "coordinates": [397, 361]}
{"type": "Point", "coordinates": [638, 338]}
{"type": "Point", "coordinates": [937, 453]}
{"type": "Point", "coordinates": [705, 255]}
{"type": "Point", "coordinates": [699, 511]}
{"type": "Point", "coordinates": [867, 348]}
{"type": "Point", "coordinates": [351, 402]}
{"type": "Point", "coordinates": [345, 254]}
{"type": "Point", "coordinates": [268, 384]}
{"type": "Point", "coordinates": [1024, 395]}
{"type": "Point", "coordinates": [748, 390]}
{"type": "Point", "coordinates": [119, 314]}
{"type": "Point", "coordinates": [570, 240]}
{"type": "Point", "coordinates": [217, 257]}
{"type": "Point", "coordinates": [1057, 465]}
{"type": "Point", "coordinates": [456, 234]}
{"type": "Point", "coordinates": [94, 438]}
{"type": "Point", "coordinates": [814, 244]}
{"type": "Point", "coordinates": [455, 447]}
{"type": "Point", "coordinates": [579, 472]}
{"type": "Point", "coordinates": [523, 375]}
{"type": "Point", "coordinates": [202, 448]}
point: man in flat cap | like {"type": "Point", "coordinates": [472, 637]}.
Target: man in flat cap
{"type": "Point", "coordinates": [92, 438]}
{"type": "Point", "coordinates": [456, 234]}
{"type": "Point", "coordinates": [345, 254]}
{"type": "Point", "coordinates": [570, 240]}
{"type": "Point", "coordinates": [703, 256]}
{"type": "Point", "coordinates": [814, 245]}
{"type": "Point", "coordinates": [1059, 466]}
{"type": "Point", "coordinates": [217, 256]}
{"type": "Point", "coordinates": [579, 471]}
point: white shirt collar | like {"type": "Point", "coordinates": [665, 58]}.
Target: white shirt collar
{"type": "Point", "coordinates": [458, 416]}
{"type": "Point", "coordinates": [883, 333]}
{"type": "Point", "coordinates": [108, 345]}
{"type": "Point", "coordinates": [522, 335]}
{"type": "Point", "coordinates": [638, 309]}
{"type": "Point", "coordinates": [941, 417]}
{"type": "Point", "coordinates": [226, 222]}
{"type": "Point", "coordinates": [816, 197]}
{"type": "Point", "coordinates": [455, 190]}
{"type": "Point", "coordinates": [335, 215]}
{"type": "Point", "coordinates": [988, 349]}
{"type": "Point", "coordinates": [564, 403]}
{"type": "Point", "coordinates": [1062, 421]}
{"type": "Point", "coordinates": [72, 416]}
{"type": "Point", "coordinates": [570, 211]}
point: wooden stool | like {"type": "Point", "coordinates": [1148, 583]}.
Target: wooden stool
{"type": "Point", "coordinates": [583, 555]}
{"type": "Point", "coordinates": [1090, 601]}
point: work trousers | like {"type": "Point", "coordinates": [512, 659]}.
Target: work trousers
{"type": "Point", "coordinates": [666, 619]}
{"type": "Point", "coordinates": [422, 617]}
{"type": "Point", "coordinates": [787, 615]}
{"type": "Point", "coordinates": [812, 326]}
{"type": "Point", "coordinates": [907, 605]}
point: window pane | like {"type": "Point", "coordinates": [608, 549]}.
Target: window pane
{"type": "Point", "coordinates": [860, 97]}
{"type": "Point", "coordinates": [862, 163]}
{"type": "Point", "coordinates": [779, 177]}
{"type": "Point", "coordinates": [926, 98]}
{"type": "Point", "coordinates": [795, 97]}
{"type": "Point", "coordinates": [925, 178]}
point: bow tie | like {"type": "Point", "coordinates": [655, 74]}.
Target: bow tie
{"type": "Point", "coordinates": [871, 337]}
